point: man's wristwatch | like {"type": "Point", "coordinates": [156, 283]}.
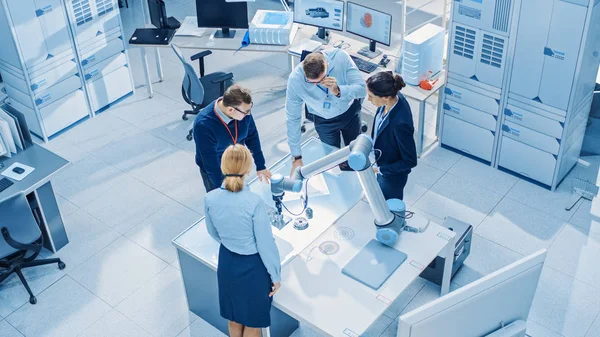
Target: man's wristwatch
{"type": "Point", "coordinates": [294, 158]}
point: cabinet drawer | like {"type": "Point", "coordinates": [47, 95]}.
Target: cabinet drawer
{"type": "Point", "coordinates": [468, 138]}
{"type": "Point", "coordinates": [109, 88]}
{"type": "Point", "coordinates": [527, 161]}
{"type": "Point", "coordinates": [470, 115]}
{"type": "Point", "coordinates": [534, 121]}
{"type": "Point", "coordinates": [57, 91]}
{"type": "Point", "coordinates": [53, 76]}
{"type": "Point", "coordinates": [64, 112]}
{"type": "Point", "coordinates": [102, 52]}
{"type": "Point", "coordinates": [105, 67]}
{"type": "Point", "coordinates": [472, 98]}
{"type": "Point", "coordinates": [530, 137]}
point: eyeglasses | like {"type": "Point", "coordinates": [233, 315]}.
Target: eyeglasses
{"type": "Point", "coordinates": [245, 113]}
{"type": "Point", "coordinates": [341, 44]}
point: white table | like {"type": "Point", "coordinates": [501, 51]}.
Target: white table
{"type": "Point", "coordinates": [313, 289]}
{"type": "Point", "coordinates": [353, 45]}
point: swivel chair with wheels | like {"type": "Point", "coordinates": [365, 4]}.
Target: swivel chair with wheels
{"type": "Point", "coordinates": [200, 92]}
{"type": "Point", "coordinates": [21, 241]}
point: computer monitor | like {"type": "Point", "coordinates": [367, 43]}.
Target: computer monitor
{"type": "Point", "coordinates": [325, 14]}
{"type": "Point", "coordinates": [371, 24]}
{"type": "Point", "coordinates": [158, 15]}
{"type": "Point", "coordinates": [222, 14]}
{"type": "Point", "coordinates": [483, 307]}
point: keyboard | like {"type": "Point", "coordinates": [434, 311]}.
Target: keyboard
{"type": "Point", "coordinates": [5, 183]}
{"type": "Point", "coordinates": [366, 66]}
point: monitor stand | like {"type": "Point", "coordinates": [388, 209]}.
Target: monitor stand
{"type": "Point", "coordinates": [224, 33]}
{"type": "Point", "coordinates": [322, 36]}
{"type": "Point", "coordinates": [370, 51]}
{"type": "Point", "coordinates": [173, 23]}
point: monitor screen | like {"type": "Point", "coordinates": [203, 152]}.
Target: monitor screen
{"type": "Point", "coordinates": [156, 8]}
{"type": "Point", "coordinates": [320, 13]}
{"type": "Point", "coordinates": [221, 14]}
{"type": "Point", "coordinates": [369, 23]}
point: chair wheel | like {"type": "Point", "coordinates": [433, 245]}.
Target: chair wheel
{"type": "Point", "coordinates": [32, 300]}
{"type": "Point", "coordinates": [364, 128]}
{"type": "Point", "coordinates": [303, 129]}
{"type": "Point", "coordinates": [188, 137]}
{"type": "Point", "coordinates": [61, 265]}
{"type": "Point", "coordinates": [184, 117]}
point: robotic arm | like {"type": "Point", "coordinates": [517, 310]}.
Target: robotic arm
{"type": "Point", "coordinates": [389, 215]}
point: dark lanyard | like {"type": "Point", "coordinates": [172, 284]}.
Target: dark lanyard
{"type": "Point", "coordinates": [227, 127]}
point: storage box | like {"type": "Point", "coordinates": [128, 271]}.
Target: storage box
{"type": "Point", "coordinates": [464, 232]}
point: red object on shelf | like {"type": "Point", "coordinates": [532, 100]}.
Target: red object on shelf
{"type": "Point", "coordinates": [427, 84]}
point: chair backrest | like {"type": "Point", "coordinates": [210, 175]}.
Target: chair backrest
{"type": "Point", "coordinates": [16, 216]}
{"type": "Point", "coordinates": [191, 89]}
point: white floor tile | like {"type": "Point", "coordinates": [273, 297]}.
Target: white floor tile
{"type": "Point", "coordinates": [66, 207]}
{"type": "Point", "coordinates": [201, 329]}
{"type": "Point", "coordinates": [486, 257]}
{"type": "Point", "coordinates": [156, 232]}
{"type": "Point", "coordinates": [377, 328]}
{"type": "Point", "coordinates": [87, 236]}
{"type": "Point", "coordinates": [133, 151]}
{"type": "Point", "coordinates": [587, 216]}
{"type": "Point", "coordinates": [98, 132]}
{"type": "Point", "coordinates": [519, 227]}
{"type": "Point", "coordinates": [82, 182]}
{"type": "Point", "coordinates": [7, 330]}
{"type": "Point", "coordinates": [483, 175]}
{"type": "Point", "coordinates": [536, 330]}
{"type": "Point", "coordinates": [440, 158]}
{"type": "Point", "coordinates": [160, 306]}
{"type": "Point", "coordinates": [564, 305]}
{"type": "Point", "coordinates": [165, 171]}
{"type": "Point", "coordinates": [126, 205]}
{"type": "Point", "coordinates": [118, 270]}
{"type": "Point", "coordinates": [64, 310]}
{"type": "Point", "coordinates": [188, 190]}
{"type": "Point", "coordinates": [140, 108]}
{"type": "Point", "coordinates": [170, 127]}
{"type": "Point", "coordinates": [456, 197]}
{"type": "Point", "coordinates": [575, 253]}
{"type": "Point", "coordinates": [392, 329]}
{"type": "Point", "coordinates": [405, 298]}
{"type": "Point", "coordinates": [420, 180]}
{"type": "Point", "coordinates": [549, 202]}
{"type": "Point", "coordinates": [427, 294]}
{"type": "Point", "coordinates": [65, 149]}
{"type": "Point", "coordinates": [114, 324]}
{"type": "Point", "coordinates": [594, 330]}
{"type": "Point", "coordinates": [305, 331]}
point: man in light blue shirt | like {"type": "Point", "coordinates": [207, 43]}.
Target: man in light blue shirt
{"type": "Point", "coordinates": [331, 86]}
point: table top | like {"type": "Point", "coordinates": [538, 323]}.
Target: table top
{"type": "Point", "coordinates": [45, 163]}
{"type": "Point", "coordinates": [314, 289]}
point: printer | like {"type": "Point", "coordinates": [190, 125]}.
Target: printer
{"type": "Point", "coordinates": [273, 27]}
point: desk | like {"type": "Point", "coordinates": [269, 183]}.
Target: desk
{"type": "Point", "coordinates": [413, 92]}
{"type": "Point", "coordinates": [38, 189]}
{"type": "Point", "coordinates": [313, 288]}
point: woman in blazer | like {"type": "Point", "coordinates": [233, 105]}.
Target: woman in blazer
{"type": "Point", "coordinates": [392, 133]}
{"type": "Point", "coordinates": [249, 269]}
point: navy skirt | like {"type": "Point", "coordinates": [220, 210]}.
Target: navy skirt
{"type": "Point", "coordinates": [244, 287]}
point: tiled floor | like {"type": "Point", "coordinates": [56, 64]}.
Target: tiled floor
{"type": "Point", "coordinates": [132, 186]}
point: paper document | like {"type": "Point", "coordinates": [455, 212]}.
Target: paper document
{"type": "Point", "coordinates": [12, 123]}
{"type": "Point", "coordinates": [189, 27]}
{"type": "Point", "coordinates": [7, 136]}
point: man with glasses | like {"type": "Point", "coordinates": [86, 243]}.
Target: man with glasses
{"type": "Point", "coordinates": [331, 87]}
{"type": "Point", "coordinates": [224, 122]}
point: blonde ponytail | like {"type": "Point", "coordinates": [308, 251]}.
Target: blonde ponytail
{"type": "Point", "coordinates": [236, 163]}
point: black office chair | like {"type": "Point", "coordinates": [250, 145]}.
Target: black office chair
{"type": "Point", "coordinates": [21, 241]}
{"type": "Point", "coordinates": [199, 92]}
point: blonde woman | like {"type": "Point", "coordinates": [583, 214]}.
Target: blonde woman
{"type": "Point", "coordinates": [249, 269]}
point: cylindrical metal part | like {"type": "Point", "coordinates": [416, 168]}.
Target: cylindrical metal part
{"type": "Point", "coordinates": [360, 150]}
{"type": "Point", "coordinates": [323, 163]}
{"type": "Point", "coordinates": [279, 184]}
{"type": "Point", "coordinates": [379, 206]}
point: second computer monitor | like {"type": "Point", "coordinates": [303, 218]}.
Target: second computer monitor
{"type": "Point", "coordinates": [371, 24]}
{"type": "Point", "coordinates": [222, 14]}
{"type": "Point", "coordinates": [325, 14]}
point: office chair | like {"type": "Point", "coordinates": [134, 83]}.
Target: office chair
{"type": "Point", "coordinates": [200, 92]}
{"type": "Point", "coordinates": [309, 118]}
{"type": "Point", "coordinates": [21, 241]}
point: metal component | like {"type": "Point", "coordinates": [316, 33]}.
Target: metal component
{"type": "Point", "coordinates": [309, 213]}
{"type": "Point", "coordinates": [379, 206]}
{"type": "Point", "coordinates": [300, 223]}
{"type": "Point", "coordinates": [360, 150]}
{"type": "Point", "coordinates": [582, 190]}
{"type": "Point", "coordinates": [324, 163]}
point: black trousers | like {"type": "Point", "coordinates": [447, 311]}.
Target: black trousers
{"type": "Point", "coordinates": [392, 186]}
{"type": "Point", "coordinates": [208, 184]}
{"type": "Point", "coordinates": [346, 126]}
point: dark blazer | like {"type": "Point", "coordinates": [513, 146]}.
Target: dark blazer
{"type": "Point", "coordinates": [212, 138]}
{"type": "Point", "coordinates": [395, 140]}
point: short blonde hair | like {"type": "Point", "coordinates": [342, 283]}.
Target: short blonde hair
{"type": "Point", "coordinates": [236, 160]}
